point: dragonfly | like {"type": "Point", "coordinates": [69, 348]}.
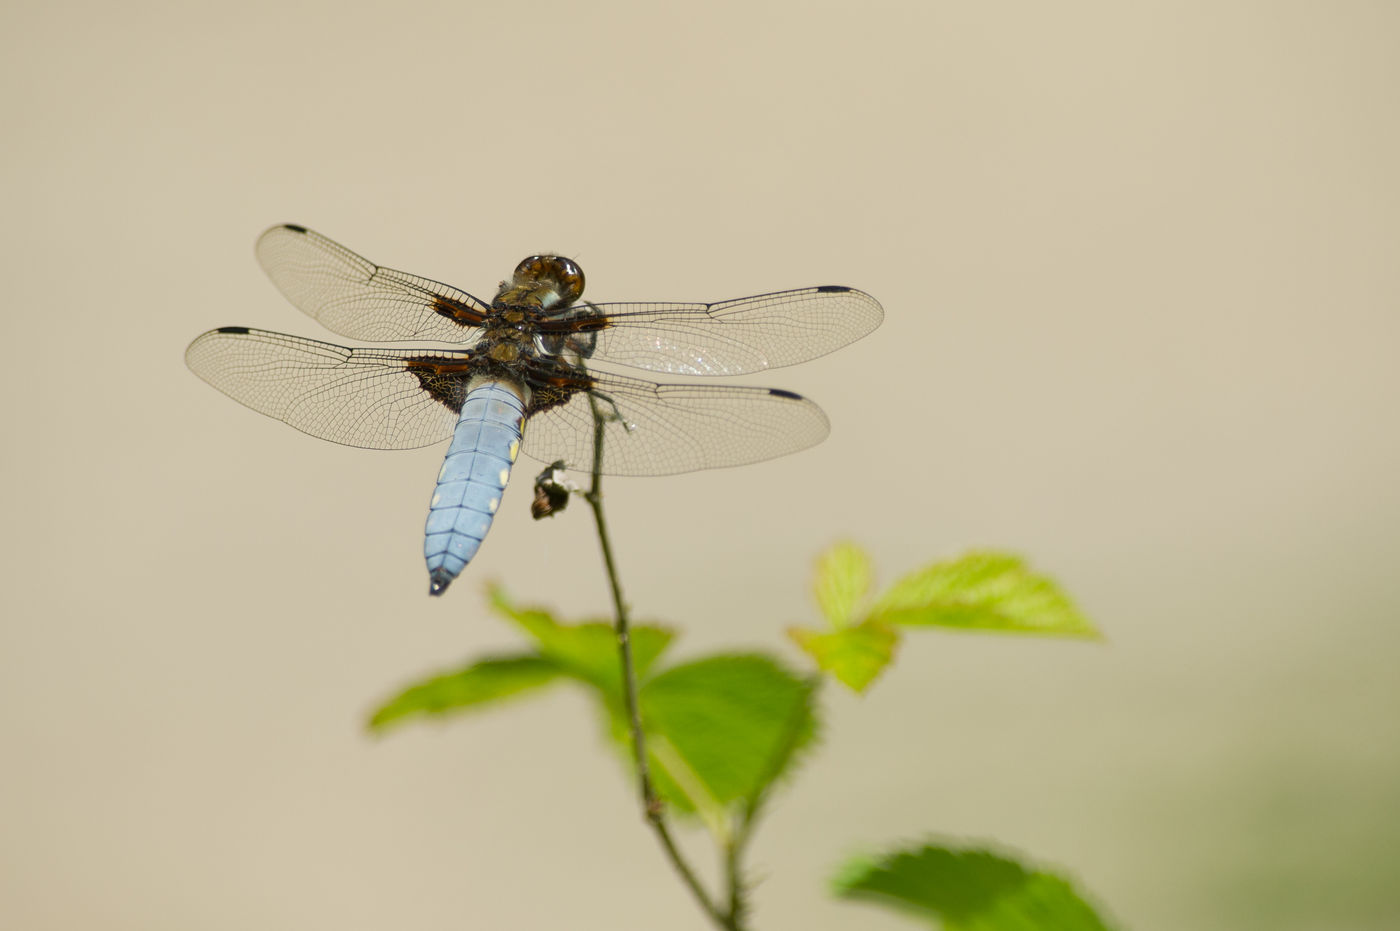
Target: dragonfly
{"type": "Point", "coordinates": [517, 373]}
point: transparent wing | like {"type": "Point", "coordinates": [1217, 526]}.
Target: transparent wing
{"type": "Point", "coordinates": [732, 337]}
{"type": "Point", "coordinates": [354, 297]}
{"type": "Point", "coordinates": [370, 398]}
{"type": "Point", "coordinates": [652, 429]}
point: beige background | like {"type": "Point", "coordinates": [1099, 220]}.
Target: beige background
{"type": "Point", "coordinates": [1139, 268]}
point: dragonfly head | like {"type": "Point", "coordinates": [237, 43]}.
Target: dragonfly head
{"type": "Point", "coordinates": [545, 280]}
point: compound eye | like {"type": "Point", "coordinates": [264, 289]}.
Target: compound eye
{"type": "Point", "coordinates": [562, 273]}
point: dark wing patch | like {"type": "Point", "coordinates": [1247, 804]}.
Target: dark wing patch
{"type": "Point", "coordinates": [444, 382]}
{"type": "Point", "coordinates": [461, 314]}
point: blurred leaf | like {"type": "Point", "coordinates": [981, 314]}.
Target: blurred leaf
{"type": "Point", "coordinates": [982, 591]}
{"type": "Point", "coordinates": [967, 890]}
{"type": "Point", "coordinates": [854, 655]}
{"type": "Point", "coordinates": [586, 651]}
{"type": "Point", "coordinates": [484, 682]}
{"type": "Point", "coordinates": [842, 582]}
{"type": "Point", "coordinates": [723, 729]}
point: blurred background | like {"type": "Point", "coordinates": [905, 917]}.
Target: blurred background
{"type": "Point", "coordinates": [1139, 266]}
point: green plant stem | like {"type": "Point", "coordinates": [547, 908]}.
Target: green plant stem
{"type": "Point", "coordinates": [734, 879]}
{"type": "Point", "coordinates": [738, 840]}
{"type": "Point", "coordinates": [652, 806]}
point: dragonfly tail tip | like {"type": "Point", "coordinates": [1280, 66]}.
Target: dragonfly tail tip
{"type": "Point", "coordinates": [438, 581]}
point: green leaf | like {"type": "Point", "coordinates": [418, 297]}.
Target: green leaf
{"type": "Point", "coordinates": [586, 651]}
{"type": "Point", "coordinates": [724, 728]}
{"type": "Point", "coordinates": [982, 591]}
{"type": "Point", "coordinates": [967, 890]}
{"type": "Point", "coordinates": [854, 655]}
{"type": "Point", "coordinates": [481, 683]}
{"type": "Point", "coordinates": [842, 581]}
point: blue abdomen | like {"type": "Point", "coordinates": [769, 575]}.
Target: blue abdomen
{"type": "Point", "coordinates": [472, 480]}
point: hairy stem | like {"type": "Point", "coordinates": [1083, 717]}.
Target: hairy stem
{"type": "Point", "coordinates": [652, 806]}
{"type": "Point", "coordinates": [738, 840]}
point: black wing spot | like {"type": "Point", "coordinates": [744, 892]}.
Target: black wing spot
{"type": "Point", "coordinates": [294, 228]}
{"type": "Point", "coordinates": [780, 393]}
{"type": "Point", "coordinates": [833, 289]}
{"type": "Point", "coordinates": [236, 330]}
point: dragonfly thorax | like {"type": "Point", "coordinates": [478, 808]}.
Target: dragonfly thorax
{"type": "Point", "coordinates": [504, 352]}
